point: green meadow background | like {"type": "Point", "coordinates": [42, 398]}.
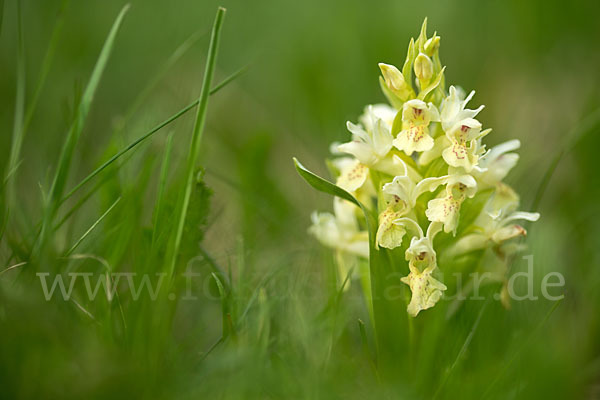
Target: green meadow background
{"type": "Point", "coordinates": [279, 328]}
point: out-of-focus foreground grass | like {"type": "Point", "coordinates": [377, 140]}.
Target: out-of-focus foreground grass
{"type": "Point", "coordinates": [312, 65]}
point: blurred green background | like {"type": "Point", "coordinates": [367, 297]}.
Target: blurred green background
{"type": "Point", "coordinates": [312, 66]}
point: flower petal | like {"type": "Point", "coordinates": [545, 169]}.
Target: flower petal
{"type": "Point", "coordinates": [389, 233]}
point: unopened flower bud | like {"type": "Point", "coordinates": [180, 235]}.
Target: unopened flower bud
{"type": "Point", "coordinates": [395, 81]}
{"type": "Point", "coordinates": [432, 45]}
{"type": "Point", "coordinates": [423, 68]}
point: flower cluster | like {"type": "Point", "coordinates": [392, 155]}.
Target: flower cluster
{"type": "Point", "coordinates": [420, 164]}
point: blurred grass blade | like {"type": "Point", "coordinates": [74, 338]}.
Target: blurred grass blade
{"type": "Point", "coordinates": [164, 68]}
{"type": "Point", "coordinates": [229, 79]}
{"type": "Point", "coordinates": [82, 238]}
{"type": "Point", "coordinates": [523, 344]}
{"type": "Point", "coordinates": [584, 127]}
{"type": "Point", "coordinates": [17, 134]}
{"type": "Point", "coordinates": [162, 183]}
{"type": "Point", "coordinates": [147, 135]}
{"type": "Point", "coordinates": [225, 307]}
{"type": "Point", "coordinates": [74, 134]}
{"type": "Point", "coordinates": [463, 349]}
{"type": "Point", "coordinates": [46, 63]}
{"type": "Point", "coordinates": [363, 336]}
{"type": "Point", "coordinates": [196, 136]}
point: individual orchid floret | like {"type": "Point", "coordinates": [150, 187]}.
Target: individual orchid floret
{"type": "Point", "coordinates": [421, 257]}
{"type": "Point", "coordinates": [370, 143]}
{"type": "Point", "coordinates": [401, 196]}
{"type": "Point", "coordinates": [340, 232]}
{"type": "Point", "coordinates": [395, 82]}
{"type": "Point", "coordinates": [446, 209]}
{"type": "Point", "coordinates": [391, 229]}
{"type": "Point", "coordinates": [414, 136]}
{"type": "Point", "coordinates": [402, 192]}
{"type": "Point", "coordinates": [426, 290]}
{"type": "Point", "coordinates": [453, 110]}
{"type": "Point", "coordinates": [465, 144]}
{"type": "Point", "coordinates": [495, 224]}
{"type": "Point", "coordinates": [373, 112]}
{"type": "Point", "coordinates": [494, 165]}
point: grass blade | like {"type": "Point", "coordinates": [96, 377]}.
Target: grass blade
{"type": "Point", "coordinates": [462, 351]}
{"type": "Point", "coordinates": [147, 135]}
{"type": "Point", "coordinates": [577, 133]}
{"type": "Point", "coordinates": [523, 345]}
{"type": "Point", "coordinates": [197, 136]}
{"type": "Point", "coordinates": [164, 170]}
{"type": "Point", "coordinates": [17, 134]}
{"type": "Point", "coordinates": [74, 134]}
{"type": "Point", "coordinates": [143, 94]}
{"type": "Point", "coordinates": [91, 228]}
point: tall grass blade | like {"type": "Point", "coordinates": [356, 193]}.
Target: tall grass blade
{"type": "Point", "coordinates": [462, 351]}
{"type": "Point", "coordinates": [17, 134]}
{"type": "Point", "coordinates": [147, 135]}
{"type": "Point", "coordinates": [523, 344]}
{"type": "Point", "coordinates": [578, 132]}
{"type": "Point", "coordinates": [196, 136]}
{"type": "Point", "coordinates": [164, 68]}
{"type": "Point", "coordinates": [164, 170]}
{"type": "Point", "coordinates": [74, 134]}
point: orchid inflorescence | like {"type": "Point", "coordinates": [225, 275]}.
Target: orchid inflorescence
{"type": "Point", "coordinates": [420, 164]}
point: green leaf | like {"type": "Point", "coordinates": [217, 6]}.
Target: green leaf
{"type": "Point", "coordinates": [324, 186]}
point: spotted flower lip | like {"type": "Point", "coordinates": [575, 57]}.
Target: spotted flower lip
{"type": "Point", "coordinates": [426, 290]}
{"type": "Point", "coordinates": [353, 174]}
{"type": "Point", "coordinates": [416, 117]}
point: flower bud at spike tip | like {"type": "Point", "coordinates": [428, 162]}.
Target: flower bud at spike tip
{"type": "Point", "coordinates": [423, 68]}
{"type": "Point", "coordinates": [394, 80]}
{"type": "Point", "coordinates": [432, 45]}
